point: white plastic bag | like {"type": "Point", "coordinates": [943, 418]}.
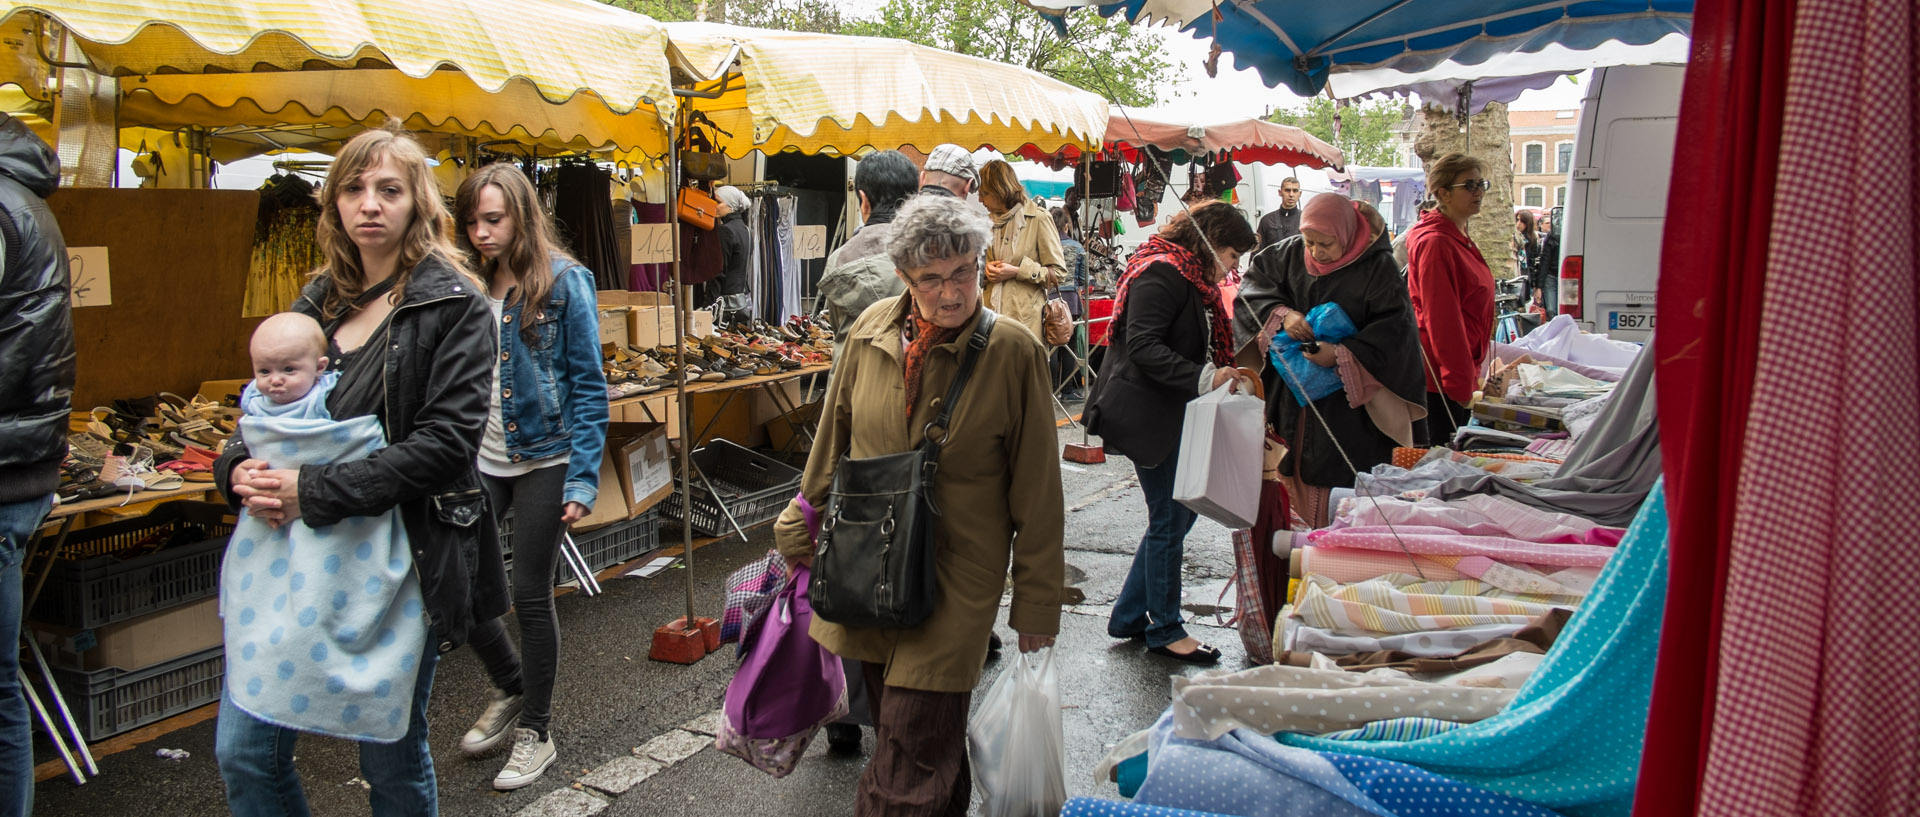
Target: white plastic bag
{"type": "Point", "coordinates": [1221, 445]}
{"type": "Point", "coordinates": [1016, 745]}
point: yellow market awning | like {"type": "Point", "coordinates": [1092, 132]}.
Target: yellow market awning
{"type": "Point", "coordinates": [825, 93]}
{"type": "Point", "coordinates": [563, 72]}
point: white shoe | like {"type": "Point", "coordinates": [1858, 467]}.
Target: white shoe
{"type": "Point", "coordinates": [494, 726]}
{"type": "Point", "coordinates": [530, 759]}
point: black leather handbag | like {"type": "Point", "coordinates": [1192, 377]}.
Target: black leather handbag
{"type": "Point", "coordinates": [873, 566]}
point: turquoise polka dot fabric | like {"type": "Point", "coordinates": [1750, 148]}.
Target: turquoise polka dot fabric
{"type": "Point", "coordinates": [1091, 807]}
{"type": "Point", "coordinates": [1572, 737]}
{"type": "Point", "coordinates": [321, 625]}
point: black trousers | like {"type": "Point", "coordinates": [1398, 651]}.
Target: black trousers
{"type": "Point", "coordinates": [535, 500]}
{"type": "Point", "coordinates": [1444, 417]}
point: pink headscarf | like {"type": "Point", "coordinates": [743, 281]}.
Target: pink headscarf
{"type": "Point", "coordinates": [1337, 216]}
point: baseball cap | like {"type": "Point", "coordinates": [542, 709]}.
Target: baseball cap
{"type": "Point", "coordinates": [956, 161]}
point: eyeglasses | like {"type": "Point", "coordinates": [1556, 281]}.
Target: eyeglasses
{"type": "Point", "coordinates": [1476, 184]}
{"type": "Point", "coordinates": [960, 280]}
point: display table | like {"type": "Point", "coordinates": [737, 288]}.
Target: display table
{"type": "Point", "coordinates": [732, 389]}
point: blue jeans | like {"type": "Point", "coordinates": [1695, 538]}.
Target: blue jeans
{"type": "Point", "coordinates": [256, 762]}
{"type": "Point", "coordinates": [1149, 603]}
{"type": "Point", "coordinates": [18, 520]}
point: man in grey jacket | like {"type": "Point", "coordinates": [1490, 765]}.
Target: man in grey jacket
{"type": "Point", "coordinates": [860, 272]}
{"type": "Point", "coordinates": [36, 392]}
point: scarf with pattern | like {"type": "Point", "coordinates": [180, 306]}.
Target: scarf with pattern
{"type": "Point", "coordinates": [922, 335]}
{"type": "Point", "coordinates": [1192, 268]}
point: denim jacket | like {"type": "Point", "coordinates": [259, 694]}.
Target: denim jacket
{"type": "Point", "coordinates": [553, 395]}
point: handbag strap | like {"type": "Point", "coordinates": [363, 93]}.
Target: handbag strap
{"type": "Point", "coordinates": [976, 344]}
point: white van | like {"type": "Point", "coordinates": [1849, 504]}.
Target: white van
{"type": "Point", "coordinates": [1616, 209]}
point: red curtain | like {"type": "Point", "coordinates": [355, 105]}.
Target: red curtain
{"type": "Point", "coordinates": [1719, 216]}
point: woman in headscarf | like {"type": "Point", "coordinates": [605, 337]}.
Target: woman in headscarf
{"type": "Point", "coordinates": [1341, 256]}
{"type": "Point", "coordinates": [1024, 260]}
{"type": "Point", "coordinates": [1171, 343]}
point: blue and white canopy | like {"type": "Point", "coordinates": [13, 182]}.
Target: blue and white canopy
{"type": "Point", "coordinates": [1365, 45]}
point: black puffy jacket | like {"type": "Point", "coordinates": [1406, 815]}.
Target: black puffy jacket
{"type": "Point", "coordinates": [439, 380]}
{"type": "Point", "coordinates": [36, 323]}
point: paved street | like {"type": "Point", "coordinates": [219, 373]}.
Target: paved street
{"type": "Point", "coordinates": [612, 701]}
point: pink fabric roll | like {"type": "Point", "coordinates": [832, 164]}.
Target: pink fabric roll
{"type": "Point", "coordinates": [1350, 565]}
{"type": "Point", "coordinates": [1442, 542]}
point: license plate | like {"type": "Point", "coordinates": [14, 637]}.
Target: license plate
{"type": "Point", "coordinates": [1629, 320]}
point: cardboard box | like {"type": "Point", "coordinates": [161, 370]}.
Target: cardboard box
{"type": "Point", "coordinates": [136, 643]}
{"type": "Point", "coordinates": [630, 474]}
{"type": "Point", "coordinates": [619, 297]}
{"type": "Point", "coordinates": [613, 324]}
{"type": "Point", "coordinates": [649, 326]}
{"type": "Point", "coordinates": [700, 323]}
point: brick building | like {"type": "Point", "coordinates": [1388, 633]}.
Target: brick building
{"type": "Point", "coordinates": [1542, 147]}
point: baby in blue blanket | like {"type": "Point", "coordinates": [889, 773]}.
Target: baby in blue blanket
{"type": "Point", "coordinates": [324, 627]}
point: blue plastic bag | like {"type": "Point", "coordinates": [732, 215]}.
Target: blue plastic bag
{"type": "Point", "coordinates": [1330, 324]}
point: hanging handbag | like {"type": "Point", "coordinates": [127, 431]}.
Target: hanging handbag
{"type": "Point", "coordinates": [1056, 323]}
{"type": "Point", "coordinates": [699, 160]}
{"type": "Point", "coordinates": [873, 564]}
{"type": "Point", "coordinates": [699, 208]}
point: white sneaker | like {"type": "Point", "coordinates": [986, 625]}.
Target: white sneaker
{"type": "Point", "coordinates": [494, 725]}
{"type": "Point", "coordinates": [530, 759]}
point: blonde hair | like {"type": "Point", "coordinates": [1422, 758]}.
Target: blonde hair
{"type": "Point", "coordinates": [534, 247]}
{"type": "Point", "coordinates": [292, 326]}
{"type": "Point", "coordinates": [998, 180]}
{"type": "Point", "coordinates": [426, 235]}
{"type": "Point", "coordinates": [1443, 173]}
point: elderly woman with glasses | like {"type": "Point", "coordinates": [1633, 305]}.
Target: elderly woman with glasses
{"type": "Point", "coordinates": [998, 485]}
{"type": "Point", "coordinates": [1452, 291]}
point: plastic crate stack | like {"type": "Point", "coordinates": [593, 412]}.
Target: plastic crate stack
{"type": "Point", "coordinates": [128, 618]}
{"type": "Point", "coordinates": [603, 547]}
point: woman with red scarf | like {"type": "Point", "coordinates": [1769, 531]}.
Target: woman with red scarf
{"type": "Point", "coordinates": [1172, 341]}
{"type": "Point", "coordinates": [1342, 256]}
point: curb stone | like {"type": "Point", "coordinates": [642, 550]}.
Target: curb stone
{"type": "Point", "coordinates": [565, 803]}
{"type": "Point", "coordinates": [615, 777]}
{"type": "Point", "coordinates": [674, 746]}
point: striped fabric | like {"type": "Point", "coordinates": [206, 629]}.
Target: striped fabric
{"type": "Point", "coordinates": [1396, 729]}
{"type": "Point", "coordinates": [1401, 603]}
{"type": "Point", "coordinates": [835, 94]}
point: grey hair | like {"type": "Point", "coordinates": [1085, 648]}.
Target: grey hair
{"type": "Point", "coordinates": [931, 227]}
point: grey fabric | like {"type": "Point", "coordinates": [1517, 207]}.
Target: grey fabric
{"type": "Point", "coordinates": [1611, 469]}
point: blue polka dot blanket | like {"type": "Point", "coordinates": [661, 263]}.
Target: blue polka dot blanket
{"type": "Point", "coordinates": [324, 626]}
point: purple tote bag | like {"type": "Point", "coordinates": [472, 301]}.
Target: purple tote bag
{"type": "Point", "coordinates": [787, 683]}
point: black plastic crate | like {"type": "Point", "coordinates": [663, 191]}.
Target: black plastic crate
{"type": "Point", "coordinates": [93, 585]}
{"type": "Point", "coordinates": [106, 702]}
{"type": "Point", "coordinates": [752, 485]}
{"type": "Point", "coordinates": [603, 547]}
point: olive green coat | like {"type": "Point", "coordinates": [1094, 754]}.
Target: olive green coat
{"type": "Point", "coordinates": [998, 489]}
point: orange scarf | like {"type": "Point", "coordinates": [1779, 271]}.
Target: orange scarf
{"type": "Point", "coordinates": [922, 335]}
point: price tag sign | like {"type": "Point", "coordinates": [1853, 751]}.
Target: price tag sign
{"type": "Point", "coordinates": [810, 241]}
{"type": "Point", "coordinates": [652, 244]}
{"type": "Point", "coordinates": [87, 279]}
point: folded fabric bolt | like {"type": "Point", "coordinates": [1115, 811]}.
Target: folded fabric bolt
{"type": "Point", "coordinates": [1349, 565]}
{"type": "Point", "coordinates": [1478, 515]}
{"type": "Point", "coordinates": [1405, 604]}
{"type": "Point", "coordinates": [1426, 540]}
{"type": "Point", "coordinates": [1276, 699]}
{"type": "Point", "coordinates": [324, 626]}
{"type": "Point", "coordinates": [1298, 637]}
{"type": "Point", "coordinates": [1535, 638]}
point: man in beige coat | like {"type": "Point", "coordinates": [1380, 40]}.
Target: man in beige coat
{"type": "Point", "coordinates": [998, 486]}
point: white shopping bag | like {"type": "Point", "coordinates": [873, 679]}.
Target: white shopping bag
{"type": "Point", "coordinates": [1016, 744]}
{"type": "Point", "coordinates": [1218, 472]}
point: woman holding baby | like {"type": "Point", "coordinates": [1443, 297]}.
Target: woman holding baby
{"type": "Point", "coordinates": [409, 340]}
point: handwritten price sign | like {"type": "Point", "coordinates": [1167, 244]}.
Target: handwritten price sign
{"type": "Point", "coordinates": [810, 241]}
{"type": "Point", "coordinates": [87, 279]}
{"type": "Point", "coordinates": [652, 243]}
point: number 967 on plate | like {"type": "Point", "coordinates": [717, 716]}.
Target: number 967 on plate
{"type": "Point", "coordinates": [1629, 320]}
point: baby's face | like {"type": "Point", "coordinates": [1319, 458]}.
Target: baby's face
{"type": "Point", "coordinates": [285, 372]}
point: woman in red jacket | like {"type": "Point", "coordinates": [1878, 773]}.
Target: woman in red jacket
{"type": "Point", "coordinates": [1452, 291]}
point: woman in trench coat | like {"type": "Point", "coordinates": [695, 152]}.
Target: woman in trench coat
{"type": "Point", "coordinates": [998, 483]}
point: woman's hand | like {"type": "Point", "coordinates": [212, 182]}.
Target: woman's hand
{"type": "Point", "coordinates": [1324, 356]}
{"type": "Point", "coordinates": [998, 271]}
{"type": "Point", "coordinates": [573, 512]}
{"type": "Point", "coordinates": [1234, 376]}
{"type": "Point", "coordinates": [1297, 327]}
{"type": "Point", "coordinates": [274, 495]}
{"type": "Point", "coordinates": [1032, 643]}
{"type": "Point", "coordinates": [804, 561]}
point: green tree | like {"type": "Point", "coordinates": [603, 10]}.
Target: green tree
{"type": "Point", "coordinates": [1366, 130]}
{"type": "Point", "coordinates": [1107, 56]}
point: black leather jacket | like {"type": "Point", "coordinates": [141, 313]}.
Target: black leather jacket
{"type": "Point", "coordinates": [36, 326]}
{"type": "Point", "coordinates": [439, 379]}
